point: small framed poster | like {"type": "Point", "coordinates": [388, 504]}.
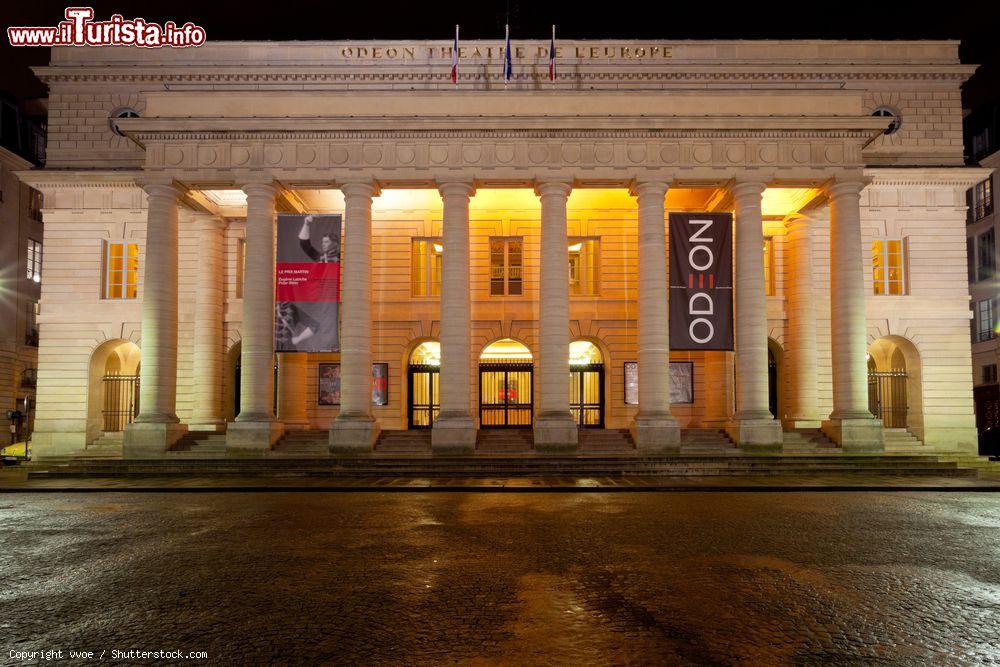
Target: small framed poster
{"type": "Point", "coordinates": [380, 384]}
{"type": "Point", "coordinates": [329, 384]}
{"type": "Point", "coordinates": [681, 382]}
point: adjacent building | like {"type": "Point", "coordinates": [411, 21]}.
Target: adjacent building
{"type": "Point", "coordinates": [504, 247]}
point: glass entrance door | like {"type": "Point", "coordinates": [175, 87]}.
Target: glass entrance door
{"type": "Point", "coordinates": [424, 401]}
{"type": "Point", "coordinates": [586, 395]}
{"type": "Point", "coordinates": [505, 395]}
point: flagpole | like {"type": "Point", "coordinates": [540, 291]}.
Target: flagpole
{"type": "Point", "coordinates": [506, 53]}
{"type": "Point", "coordinates": [454, 60]}
{"type": "Point", "coordinates": [552, 56]}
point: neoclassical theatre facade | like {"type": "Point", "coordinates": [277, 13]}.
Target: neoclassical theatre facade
{"type": "Point", "coordinates": [504, 248]}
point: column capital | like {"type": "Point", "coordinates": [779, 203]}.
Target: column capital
{"type": "Point", "coordinates": [261, 188]}
{"type": "Point", "coordinates": [748, 190]}
{"type": "Point", "coordinates": [161, 187]}
{"type": "Point", "coordinates": [456, 188]}
{"type": "Point", "coordinates": [360, 188]}
{"type": "Point", "coordinates": [844, 188]}
{"type": "Point", "coordinates": [555, 188]}
{"type": "Point", "coordinates": [649, 188]}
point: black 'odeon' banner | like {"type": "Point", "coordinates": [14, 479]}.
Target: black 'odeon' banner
{"type": "Point", "coordinates": [701, 281]}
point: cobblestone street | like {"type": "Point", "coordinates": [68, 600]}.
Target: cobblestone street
{"type": "Point", "coordinates": [517, 578]}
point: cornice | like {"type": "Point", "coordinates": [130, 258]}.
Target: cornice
{"type": "Point", "coordinates": [41, 179]}
{"type": "Point", "coordinates": [952, 177]}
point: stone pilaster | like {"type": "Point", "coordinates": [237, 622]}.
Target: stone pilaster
{"type": "Point", "coordinates": [208, 313]}
{"type": "Point", "coordinates": [850, 424]}
{"type": "Point", "coordinates": [753, 427]}
{"type": "Point", "coordinates": [800, 355]}
{"type": "Point", "coordinates": [292, 368]}
{"type": "Point", "coordinates": [655, 428]}
{"type": "Point", "coordinates": [455, 429]}
{"type": "Point", "coordinates": [256, 429]}
{"type": "Point", "coordinates": [355, 430]}
{"type": "Point", "coordinates": [156, 427]}
{"type": "Point", "coordinates": [554, 428]}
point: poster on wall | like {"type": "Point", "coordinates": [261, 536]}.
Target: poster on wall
{"type": "Point", "coordinates": [701, 281]}
{"type": "Point", "coordinates": [329, 384]}
{"type": "Point", "coordinates": [307, 284]}
{"type": "Point", "coordinates": [380, 384]}
{"type": "Point", "coordinates": [681, 382]}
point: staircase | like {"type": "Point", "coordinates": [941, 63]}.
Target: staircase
{"type": "Point", "coordinates": [308, 444]}
{"type": "Point", "coordinates": [806, 440]}
{"type": "Point", "coordinates": [901, 441]}
{"type": "Point", "coordinates": [605, 441]}
{"type": "Point", "coordinates": [404, 442]}
{"type": "Point", "coordinates": [200, 444]}
{"type": "Point", "coordinates": [706, 441]}
{"type": "Point", "coordinates": [505, 441]}
{"type": "Point", "coordinates": [108, 446]}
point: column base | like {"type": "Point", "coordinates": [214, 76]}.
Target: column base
{"type": "Point", "coordinates": [353, 436]}
{"type": "Point", "coordinates": [860, 435]}
{"type": "Point", "coordinates": [252, 438]}
{"type": "Point", "coordinates": [656, 435]}
{"type": "Point", "coordinates": [150, 440]}
{"type": "Point", "coordinates": [555, 434]}
{"type": "Point", "coordinates": [51, 444]}
{"type": "Point", "coordinates": [453, 435]}
{"type": "Point", "coordinates": [756, 435]}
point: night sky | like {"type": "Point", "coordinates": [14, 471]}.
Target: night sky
{"type": "Point", "coordinates": [976, 24]}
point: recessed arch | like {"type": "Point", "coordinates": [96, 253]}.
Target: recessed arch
{"type": "Point", "coordinates": [506, 350]}
{"type": "Point", "coordinates": [112, 386]}
{"type": "Point", "coordinates": [895, 387]}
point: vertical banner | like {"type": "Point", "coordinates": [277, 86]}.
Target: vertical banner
{"type": "Point", "coordinates": [701, 281]}
{"type": "Point", "coordinates": [307, 284]}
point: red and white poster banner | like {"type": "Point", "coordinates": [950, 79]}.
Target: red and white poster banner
{"type": "Point", "coordinates": [307, 284]}
{"type": "Point", "coordinates": [701, 281]}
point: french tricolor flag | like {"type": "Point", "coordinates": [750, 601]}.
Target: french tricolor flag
{"type": "Point", "coordinates": [552, 56]}
{"type": "Point", "coordinates": [454, 59]}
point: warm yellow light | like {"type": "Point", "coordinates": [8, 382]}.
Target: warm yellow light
{"type": "Point", "coordinates": [506, 349]}
{"type": "Point", "coordinates": [438, 247]}
{"type": "Point", "coordinates": [785, 201]}
{"type": "Point", "coordinates": [227, 197]}
{"type": "Point", "coordinates": [583, 352]}
{"type": "Point", "coordinates": [428, 352]}
{"type": "Point", "coordinates": [576, 247]}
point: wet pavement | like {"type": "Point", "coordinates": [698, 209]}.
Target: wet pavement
{"type": "Point", "coordinates": [505, 578]}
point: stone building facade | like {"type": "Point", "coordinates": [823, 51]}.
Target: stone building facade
{"type": "Point", "coordinates": [842, 161]}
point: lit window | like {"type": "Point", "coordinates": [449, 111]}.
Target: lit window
{"type": "Point", "coordinates": [985, 320]}
{"type": "Point", "coordinates": [241, 265]}
{"type": "Point", "coordinates": [584, 260]}
{"type": "Point", "coordinates": [506, 266]}
{"type": "Point", "coordinates": [986, 260]}
{"type": "Point", "coordinates": [982, 199]}
{"type": "Point", "coordinates": [121, 270]}
{"type": "Point", "coordinates": [425, 267]}
{"type": "Point", "coordinates": [888, 267]}
{"type": "Point", "coordinates": [990, 374]}
{"type": "Point", "coordinates": [34, 261]}
{"type": "Point", "coordinates": [769, 287]}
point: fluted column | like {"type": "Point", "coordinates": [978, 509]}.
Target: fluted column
{"type": "Point", "coordinates": [655, 428]}
{"type": "Point", "coordinates": [454, 428]}
{"type": "Point", "coordinates": [800, 349]}
{"type": "Point", "coordinates": [850, 423]}
{"type": "Point", "coordinates": [208, 315]}
{"type": "Point", "coordinates": [554, 427]}
{"type": "Point", "coordinates": [753, 426]}
{"type": "Point", "coordinates": [256, 428]}
{"type": "Point", "coordinates": [354, 429]}
{"type": "Point", "coordinates": [292, 390]}
{"type": "Point", "coordinates": [156, 427]}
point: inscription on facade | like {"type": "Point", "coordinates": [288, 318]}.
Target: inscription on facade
{"type": "Point", "coordinates": [489, 53]}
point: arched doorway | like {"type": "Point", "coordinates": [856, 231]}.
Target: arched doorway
{"type": "Point", "coordinates": [894, 392]}
{"type": "Point", "coordinates": [586, 384]}
{"type": "Point", "coordinates": [423, 385]}
{"type": "Point", "coordinates": [113, 401]}
{"type": "Point", "coordinates": [506, 376]}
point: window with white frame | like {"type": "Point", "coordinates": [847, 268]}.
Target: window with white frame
{"type": "Point", "coordinates": [426, 255]}
{"type": "Point", "coordinates": [506, 266]}
{"type": "Point", "coordinates": [985, 320]}
{"type": "Point", "coordinates": [889, 266]}
{"type": "Point", "coordinates": [121, 270]}
{"type": "Point", "coordinates": [34, 271]}
{"type": "Point", "coordinates": [584, 263]}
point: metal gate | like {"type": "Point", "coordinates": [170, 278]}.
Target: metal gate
{"type": "Point", "coordinates": [887, 397]}
{"type": "Point", "coordinates": [586, 395]}
{"type": "Point", "coordinates": [505, 395]}
{"type": "Point", "coordinates": [987, 399]}
{"type": "Point", "coordinates": [121, 401]}
{"type": "Point", "coordinates": [423, 388]}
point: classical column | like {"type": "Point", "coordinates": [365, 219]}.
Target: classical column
{"type": "Point", "coordinates": [655, 428]}
{"type": "Point", "coordinates": [156, 427]}
{"type": "Point", "coordinates": [850, 423]}
{"type": "Point", "coordinates": [800, 349]}
{"type": "Point", "coordinates": [255, 428]}
{"type": "Point", "coordinates": [555, 429]}
{"type": "Point", "coordinates": [208, 314]}
{"type": "Point", "coordinates": [292, 390]}
{"type": "Point", "coordinates": [753, 426]}
{"type": "Point", "coordinates": [454, 428]}
{"type": "Point", "coordinates": [354, 429]}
